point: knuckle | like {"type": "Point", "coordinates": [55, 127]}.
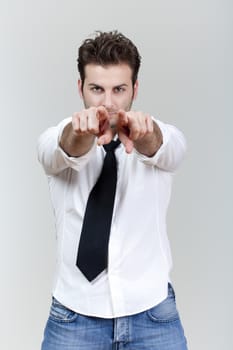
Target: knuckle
{"type": "Point", "coordinates": [93, 130]}
{"type": "Point", "coordinates": [143, 132]}
{"type": "Point", "coordinates": [135, 136]}
{"type": "Point", "coordinates": [74, 115]}
{"type": "Point", "coordinates": [92, 109]}
{"type": "Point", "coordinates": [75, 125]}
{"type": "Point", "coordinates": [83, 127]}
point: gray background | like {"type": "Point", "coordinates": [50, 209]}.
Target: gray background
{"type": "Point", "coordinates": [187, 80]}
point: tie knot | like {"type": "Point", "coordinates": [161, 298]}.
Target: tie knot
{"type": "Point", "coordinates": [111, 146]}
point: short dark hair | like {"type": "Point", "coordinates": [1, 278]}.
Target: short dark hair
{"type": "Point", "coordinates": [108, 48]}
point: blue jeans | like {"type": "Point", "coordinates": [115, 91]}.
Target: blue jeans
{"type": "Point", "coordinates": [158, 328]}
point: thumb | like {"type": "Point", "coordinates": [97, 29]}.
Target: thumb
{"type": "Point", "coordinates": [105, 137]}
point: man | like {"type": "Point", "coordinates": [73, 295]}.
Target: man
{"type": "Point", "coordinates": [112, 288]}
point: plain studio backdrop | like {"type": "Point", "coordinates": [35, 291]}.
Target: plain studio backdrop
{"type": "Point", "coordinates": [186, 79]}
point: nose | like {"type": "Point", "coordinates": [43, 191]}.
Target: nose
{"type": "Point", "coordinates": [108, 102]}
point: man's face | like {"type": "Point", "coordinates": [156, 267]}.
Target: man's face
{"type": "Point", "coordinates": [109, 86]}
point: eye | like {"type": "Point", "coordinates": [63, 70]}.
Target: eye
{"type": "Point", "coordinates": [96, 89]}
{"type": "Point", "coordinates": [119, 89]}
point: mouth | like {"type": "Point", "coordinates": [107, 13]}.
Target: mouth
{"type": "Point", "coordinates": [112, 113]}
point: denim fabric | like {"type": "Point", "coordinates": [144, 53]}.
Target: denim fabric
{"type": "Point", "coordinates": [158, 328]}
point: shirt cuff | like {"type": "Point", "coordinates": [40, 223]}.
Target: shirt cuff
{"type": "Point", "coordinates": [171, 152]}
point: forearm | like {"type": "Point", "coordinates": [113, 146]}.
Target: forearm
{"type": "Point", "coordinates": [150, 143]}
{"type": "Point", "coordinates": [73, 144]}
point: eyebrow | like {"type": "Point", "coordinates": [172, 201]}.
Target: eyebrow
{"type": "Point", "coordinates": [114, 87]}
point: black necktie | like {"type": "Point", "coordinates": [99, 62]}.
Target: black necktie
{"type": "Point", "coordinates": [92, 256]}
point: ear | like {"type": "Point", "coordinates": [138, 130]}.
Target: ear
{"type": "Point", "coordinates": [135, 90]}
{"type": "Point", "coordinates": [80, 88]}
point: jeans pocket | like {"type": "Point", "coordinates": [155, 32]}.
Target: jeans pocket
{"type": "Point", "coordinates": [165, 311]}
{"type": "Point", "coordinates": [60, 313]}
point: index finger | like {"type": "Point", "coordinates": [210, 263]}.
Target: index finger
{"type": "Point", "coordinates": [122, 117]}
{"type": "Point", "coordinates": [101, 113]}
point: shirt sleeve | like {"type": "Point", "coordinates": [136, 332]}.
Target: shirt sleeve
{"type": "Point", "coordinates": [171, 152]}
{"type": "Point", "coordinates": [51, 155]}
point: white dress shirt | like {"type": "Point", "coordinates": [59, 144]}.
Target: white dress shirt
{"type": "Point", "coordinates": [139, 259]}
